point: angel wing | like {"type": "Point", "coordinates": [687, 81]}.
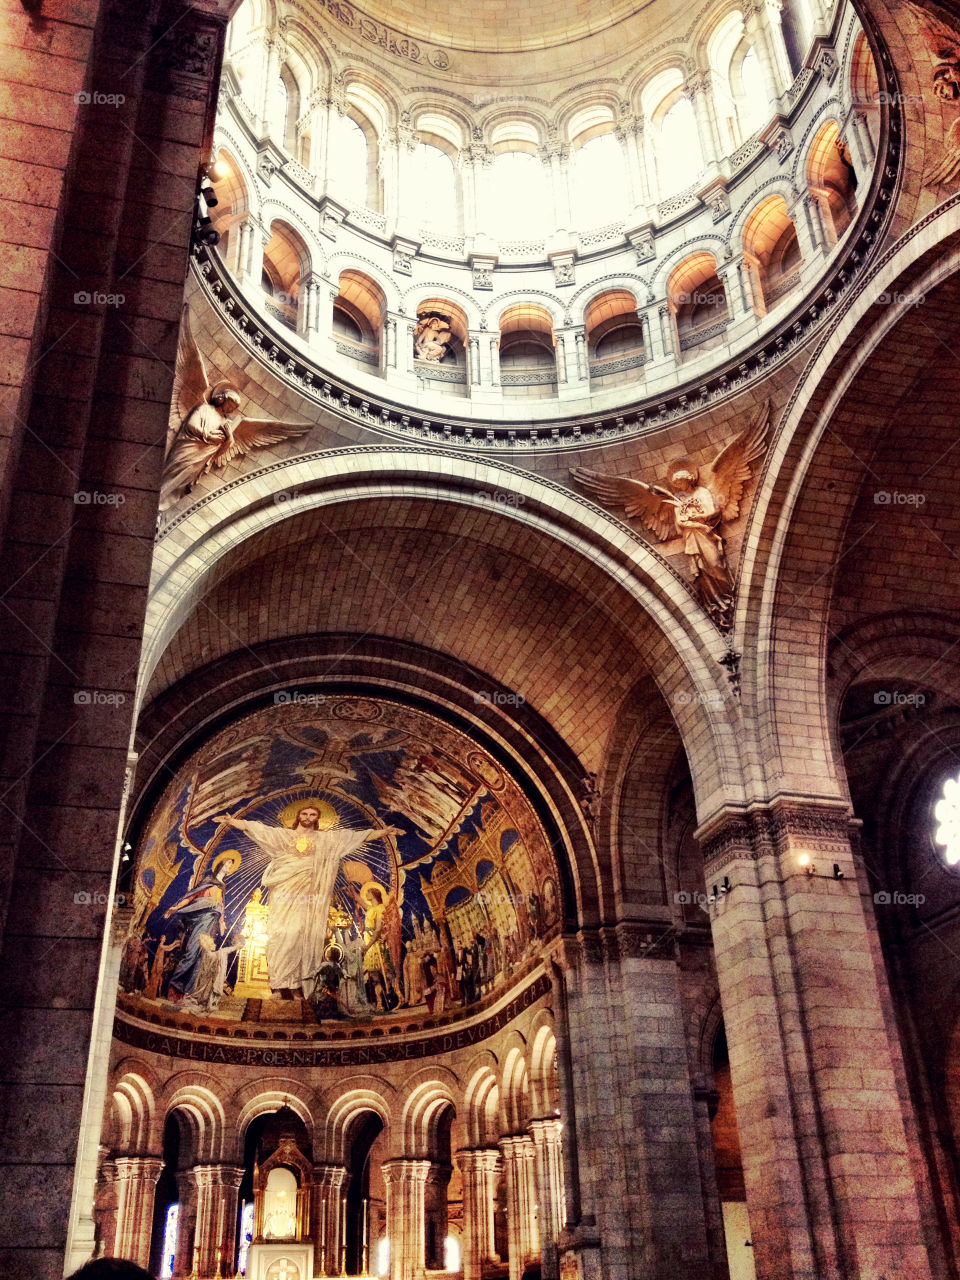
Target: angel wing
{"type": "Point", "coordinates": [732, 468]}
{"type": "Point", "coordinates": [948, 168]}
{"type": "Point", "coordinates": [256, 433]}
{"type": "Point", "coordinates": [653, 506]}
{"type": "Point", "coordinates": [942, 41]}
{"type": "Point", "coordinates": [190, 383]}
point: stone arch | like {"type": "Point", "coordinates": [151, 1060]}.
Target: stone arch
{"type": "Point", "coordinates": [134, 1099]}
{"type": "Point", "coordinates": [910, 270]}
{"type": "Point", "coordinates": [261, 1097]}
{"type": "Point", "coordinates": [514, 1084]}
{"type": "Point", "coordinates": [544, 1096]}
{"type": "Point", "coordinates": [195, 1097]}
{"type": "Point", "coordinates": [357, 1096]}
{"type": "Point", "coordinates": [482, 1101]}
{"type": "Point", "coordinates": [429, 1094]}
{"type": "Point", "coordinates": [186, 575]}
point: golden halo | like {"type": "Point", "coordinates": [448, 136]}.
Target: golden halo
{"type": "Point", "coordinates": [328, 814]}
{"type": "Point", "coordinates": [228, 855]}
{"type": "Point", "coordinates": [375, 884]}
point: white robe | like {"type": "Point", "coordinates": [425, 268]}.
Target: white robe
{"type": "Point", "coordinates": [301, 886]}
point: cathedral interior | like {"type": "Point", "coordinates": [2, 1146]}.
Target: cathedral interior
{"type": "Point", "coordinates": [480, 639]}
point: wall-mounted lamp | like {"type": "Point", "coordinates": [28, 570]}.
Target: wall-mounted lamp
{"type": "Point", "coordinates": [805, 861]}
{"type": "Point", "coordinates": [837, 873]}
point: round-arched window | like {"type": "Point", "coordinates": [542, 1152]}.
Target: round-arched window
{"type": "Point", "coordinates": [435, 204]}
{"type": "Point", "coordinates": [599, 182]}
{"type": "Point", "coordinates": [520, 207]}
{"type": "Point", "coordinates": [348, 159]}
{"type": "Point", "coordinates": [946, 814]}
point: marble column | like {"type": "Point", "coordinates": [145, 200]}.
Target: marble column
{"type": "Point", "coordinates": [326, 1217]}
{"type": "Point", "coordinates": [820, 1122]}
{"type": "Point", "coordinates": [406, 1216]}
{"type": "Point", "coordinates": [478, 1173]}
{"type": "Point", "coordinates": [136, 1178]}
{"type": "Point", "coordinates": [545, 1134]}
{"type": "Point", "coordinates": [216, 1229]}
{"type": "Point", "coordinates": [518, 1157]}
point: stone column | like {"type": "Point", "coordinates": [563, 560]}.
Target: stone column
{"type": "Point", "coordinates": [136, 1178]}
{"type": "Point", "coordinates": [326, 1217]}
{"type": "Point", "coordinates": [545, 1134]}
{"type": "Point", "coordinates": [216, 1230]}
{"type": "Point", "coordinates": [478, 1173]}
{"type": "Point", "coordinates": [820, 1121]}
{"type": "Point", "coordinates": [186, 1222]}
{"type": "Point", "coordinates": [765, 32]}
{"type": "Point", "coordinates": [518, 1157]}
{"type": "Point", "coordinates": [738, 298]}
{"type": "Point", "coordinates": [556, 158]}
{"type": "Point", "coordinates": [435, 1207]}
{"type": "Point", "coordinates": [697, 90]}
{"type": "Point", "coordinates": [405, 1182]}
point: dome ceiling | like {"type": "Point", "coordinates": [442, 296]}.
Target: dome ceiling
{"type": "Point", "coordinates": [333, 861]}
{"type": "Point", "coordinates": [489, 26]}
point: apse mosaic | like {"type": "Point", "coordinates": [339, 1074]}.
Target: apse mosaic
{"type": "Point", "coordinates": [351, 857]}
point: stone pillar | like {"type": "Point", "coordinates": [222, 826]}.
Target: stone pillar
{"type": "Point", "coordinates": [738, 297]}
{"type": "Point", "coordinates": [186, 1223]}
{"type": "Point", "coordinates": [311, 291]}
{"type": "Point", "coordinates": [478, 1173]}
{"type": "Point", "coordinates": [136, 1178]}
{"type": "Point", "coordinates": [518, 1159]}
{"type": "Point", "coordinates": [216, 1229]}
{"type": "Point", "coordinates": [556, 158]}
{"type": "Point", "coordinates": [436, 1210]}
{"type": "Point", "coordinates": [765, 32]}
{"type": "Point", "coordinates": [326, 1217]}
{"type": "Point", "coordinates": [697, 90]}
{"type": "Point", "coordinates": [572, 367]}
{"type": "Point", "coordinates": [545, 1134]}
{"type": "Point", "coordinates": [642, 1210]}
{"type": "Point", "coordinates": [630, 136]}
{"type": "Point", "coordinates": [820, 1122]}
{"type": "Point", "coordinates": [405, 1182]}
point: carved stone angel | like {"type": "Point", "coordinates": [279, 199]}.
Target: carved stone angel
{"type": "Point", "coordinates": [430, 338]}
{"type": "Point", "coordinates": [206, 428]}
{"type": "Point", "coordinates": [693, 508]}
{"type": "Point", "coordinates": [942, 43]}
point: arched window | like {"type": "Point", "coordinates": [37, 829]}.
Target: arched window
{"type": "Point", "coordinates": [679, 158]}
{"type": "Point", "coordinates": [281, 108]}
{"type": "Point", "coordinates": [520, 206]}
{"type": "Point", "coordinates": [349, 160]}
{"type": "Point", "coordinates": [436, 206]}
{"type": "Point", "coordinates": [599, 182]}
{"type": "Point", "coordinates": [947, 819]}
{"type": "Point", "coordinates": [749, 90]}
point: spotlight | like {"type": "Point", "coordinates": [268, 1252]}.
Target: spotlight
{"type": "Point", "coordinates": [726, 886]}
{"type": "Point", "coordinates": [210, 196]}
{"type": "Point", "coordinates": [805, 861]}
{"type": "Point", "coordinates": [219, 169]}
{"type": "Point", "coordinates": [837, 873]}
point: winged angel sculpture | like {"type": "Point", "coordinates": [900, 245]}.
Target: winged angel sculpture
{"type": "Point", "coordinates": [206, 427]}
{"type": "Point", "coordinates": [942, 43]}
{"type": "Point", "coordinates": [694, 507]}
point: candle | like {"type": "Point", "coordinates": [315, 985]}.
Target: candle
{"type": "Point", "coordinates": [323, 1236]}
